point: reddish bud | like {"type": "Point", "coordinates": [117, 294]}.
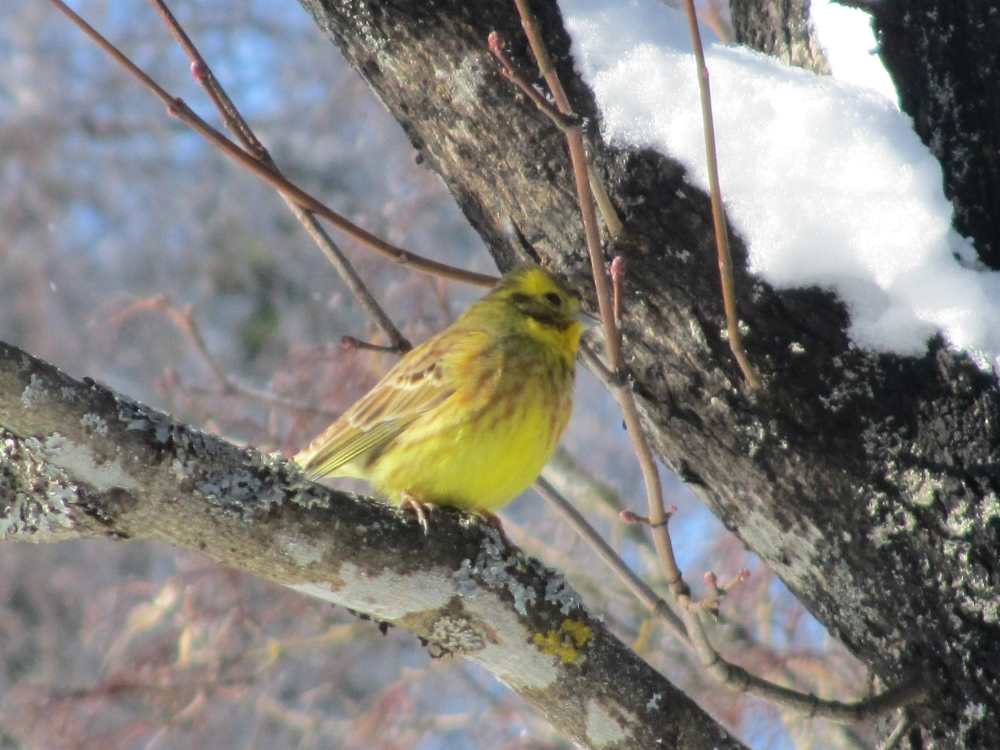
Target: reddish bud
{"type": "Point", "coordinates": [198, 70]}
{"type": "Point", "coordinates": [618, 268]}
{"type": "Point", "coordinates": [175, 107]}
{"type": "Point", "coordinates": [629, 517]}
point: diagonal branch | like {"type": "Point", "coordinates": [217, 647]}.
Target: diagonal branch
{"type": "Point", "coordinates": [237, 125]}
{"type": "Point", "coordinates": [179, 109]}
{"type": "Point", "coordinates": [78, 460]}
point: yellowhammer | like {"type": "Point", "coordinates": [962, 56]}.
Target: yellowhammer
{"type": "Point", "coordinates": [470, 416]}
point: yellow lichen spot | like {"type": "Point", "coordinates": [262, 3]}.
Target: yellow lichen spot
{"type": "Point", "coordinates": [645, 637]}
{"type": "Point", "coordinates": [565, 642]}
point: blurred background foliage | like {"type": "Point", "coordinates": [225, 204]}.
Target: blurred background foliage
{"type": "Point", "coordinates": [122, 234]}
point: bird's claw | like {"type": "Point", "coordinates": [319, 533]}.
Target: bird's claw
{"type": "Point", "coordinates": [420, 509]}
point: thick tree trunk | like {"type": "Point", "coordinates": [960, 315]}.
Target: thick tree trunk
{"type": "Point", "coordinates": [870, 483]}
{"type": "Point", "coordinates": [944, 56]}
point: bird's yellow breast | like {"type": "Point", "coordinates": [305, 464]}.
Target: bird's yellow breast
{"type": "Point", "coordinates": [485, 452]}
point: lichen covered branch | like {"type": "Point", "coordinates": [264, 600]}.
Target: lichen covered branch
{"type": "Point", "coordinates": [78, 460]}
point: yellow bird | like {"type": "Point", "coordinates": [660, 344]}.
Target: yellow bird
{"type": "Point", "coordinates": [469, 417]}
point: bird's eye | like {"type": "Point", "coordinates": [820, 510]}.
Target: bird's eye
{"type": "Point", "coordinates": [553, 299]}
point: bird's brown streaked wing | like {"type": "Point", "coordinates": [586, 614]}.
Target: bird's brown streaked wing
{"type": "Point", "coordinates": [418, 383]}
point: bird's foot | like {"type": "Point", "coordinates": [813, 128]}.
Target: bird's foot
{"type": "Point", "coordinates": [420, 509]}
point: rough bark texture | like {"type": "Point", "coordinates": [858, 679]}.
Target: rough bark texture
{"type": "Point", "coordinates": [779, 28]}
{"type": "Point", "coordinates": [868, 482]}
{"type": "Point", "coordinates": [77, 460]}
{"type": "Point", "coordinates": [944, 57]}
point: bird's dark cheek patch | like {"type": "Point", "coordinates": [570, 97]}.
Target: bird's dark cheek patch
{"type": "Point", "coordinates": [550, 321]}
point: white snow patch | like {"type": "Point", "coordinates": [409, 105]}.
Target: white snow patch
{"type": "Point", "coordinates": [827, 182]}
{"type": "Point", "coordinates": [849, 42]}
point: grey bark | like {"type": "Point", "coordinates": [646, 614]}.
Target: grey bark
{"type": "Point", "coordinates": [781, 29]}
{"type": "Point", "coordinates": [944, 56]}
{"type": "Point", "coordinates": [869, 482]}
{"type": "Point", "coordinates": [77, 460]}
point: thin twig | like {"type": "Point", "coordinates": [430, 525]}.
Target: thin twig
{"type": "Point", "coordinates": [184, 320]}
{"type": "Point", "coordinates": [617, 282]}
{"type": "Point", "coordinates": [607, 210]}
{"type": "Point", "coordinates": [561, 120]}
{"type": "Point", "coordinates": [612, 336]}
{"type": "Point", "coordinates": [892, 740]}
{"type": "Point", "coordinates": [238, 125]}
{"type": "Point", "coordinates": [597, 366]}
{"type": "Point", "coordinates": [350, 344]}
{"type": "Point", "coordinates": [718, 214]}
{"type": "Point", "coordinates": [179, 109]}
{"type": "Point", "coordinates": [635, 584]}
{"type": "Point", "coordinates": [548, 71]}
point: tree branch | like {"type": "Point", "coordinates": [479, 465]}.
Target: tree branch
{"type": "Point", "coordinates": [78, 460]}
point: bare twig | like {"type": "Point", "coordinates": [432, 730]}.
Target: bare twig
{"type": "Point", "coordinates": [612, 335]}
{"type": "Point", "coordinates": [350, 344]}
{"type": "Point", "coordinates": [179, 109]}
{"type": "Point", "coordinates": [635, 584]}
{"type": "Point", "coordinates": [568, 474]}
{"type": "Point", "coordinates": [548, 71]}
{"type": "Point", "coordinates": [617, 281]}
{"type": "Point", "coordinates": [561, 120]}
{"type": "Point", "coordinates": [597, 366]}
{"type": "Point", "coordinates": [184, 320]}
{"type": "Point", "coordinates": [634, 519]}
{"type": "Point", "coordinates": [892, 740]}
{"type": "Point", "coordinates": [236, 123]}
{"type": "Point", "coordinates": [570, 127]}
{"type": "Point", "coordinates": [718, 214]}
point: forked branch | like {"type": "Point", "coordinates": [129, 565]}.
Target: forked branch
{"type": "Point", "coordinates": [238, 125]}
{"type": "Point", "coordinates": [179, 109]}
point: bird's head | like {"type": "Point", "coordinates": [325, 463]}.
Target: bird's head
{"type": "Point", "coordinates": [541, 307]}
